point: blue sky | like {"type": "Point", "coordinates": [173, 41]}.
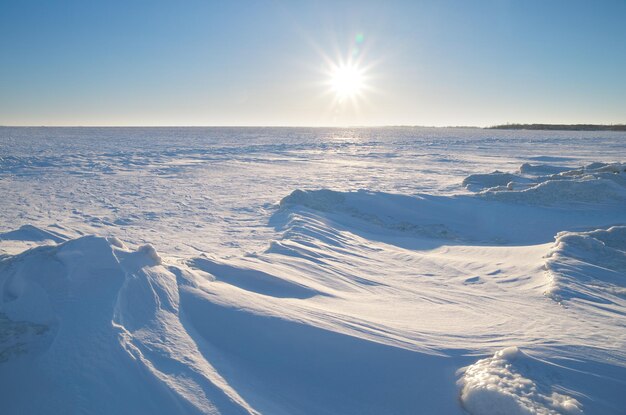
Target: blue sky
{"type": "Point", "coordinates": [268, 62]}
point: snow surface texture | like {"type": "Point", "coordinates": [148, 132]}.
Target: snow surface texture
{"type": "Point", "coordinates": [312, 271]}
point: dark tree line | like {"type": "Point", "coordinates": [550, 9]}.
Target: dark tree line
{"type": "Point", "coordinates": [565, 127]}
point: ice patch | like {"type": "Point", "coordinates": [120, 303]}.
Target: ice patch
{"type": "Point", "coordinates": [502, 385]}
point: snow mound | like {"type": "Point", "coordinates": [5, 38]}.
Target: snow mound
{"type": "Point", "coordinates": [589, 265]}
{"type": "Point", "coordinates": [149, 251]}
{"type": "Point", "coordinates": [541, 169]}
{"type": "Point", "coordinates": [549, 185]}
{"type": "Point", "coordinates": [490, 180]}
{"type": "Point", "coordinates": [98, 327]}
{"type": "Point", "coordinates": [323, 199]}
{"type": "Point", "coordinates": [502, 385]}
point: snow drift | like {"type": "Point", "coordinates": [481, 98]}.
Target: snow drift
{"type": "Point", "coordinates": [106, 329]}
{"type": "Point", "coordinates": [494, 217]}
{"type": "Point", "coordinates": [590, 266]}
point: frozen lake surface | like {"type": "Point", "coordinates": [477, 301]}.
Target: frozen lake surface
{"type": "Point", "coordinates": [312, 271]}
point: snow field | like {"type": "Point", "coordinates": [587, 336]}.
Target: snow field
{"type": "Point", "coordinates": [304, 271]}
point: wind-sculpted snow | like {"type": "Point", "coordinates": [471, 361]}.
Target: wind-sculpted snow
{"type": "Point", "coordinates": [111, 330]}
{"type": "Point", "coordinates": [590, 266]}
{"type": "Point", "coordinates": [455, 219]}
{"type": "Point", "coordinates": [316, 223]}
{"type": "Point", "coordinates": [253, 280]}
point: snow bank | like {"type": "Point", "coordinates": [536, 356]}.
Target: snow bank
{"type": "Point", "coordinates": [589, 265]}
{"type": "Point", "coordinates": [594, 183]}
{"type": "Point", "coordinates": [504, 385]}
{"type": "Point", "coordinates": [482, 218]}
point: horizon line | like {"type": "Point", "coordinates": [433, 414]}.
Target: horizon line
{"type": "Point", "coordinates": [311, 126]}
{"type": "Point", "coordinates": [241, 126]}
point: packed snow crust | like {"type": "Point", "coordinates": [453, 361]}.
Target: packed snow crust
{"type": "Point", "coordinates": [311, 271]}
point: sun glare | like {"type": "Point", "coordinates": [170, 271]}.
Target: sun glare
{"type": "Point", "coordinates": [346, 81]}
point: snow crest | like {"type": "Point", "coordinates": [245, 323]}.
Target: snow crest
{"type": "Point", "coordinates": [502, 385]}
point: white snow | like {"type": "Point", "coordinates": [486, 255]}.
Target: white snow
{"type": "Point", "coordinates": [589, 266]}
{"type": "Point", "coordinates": [312, 271]}
{"type": "Point", "coordinates": [500, 385]}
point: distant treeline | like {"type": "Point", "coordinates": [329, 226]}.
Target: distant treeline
{"type": "Point", "coordinates": [566, 127]}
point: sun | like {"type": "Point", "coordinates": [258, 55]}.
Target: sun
{"type": "Point", "coordinates": [347, 81]}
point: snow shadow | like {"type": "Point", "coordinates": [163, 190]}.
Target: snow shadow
{"type": "Point", "coordinates": [307, 369]}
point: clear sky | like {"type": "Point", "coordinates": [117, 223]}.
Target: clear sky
{"type": "Point", "coordinates": [280, 62]}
